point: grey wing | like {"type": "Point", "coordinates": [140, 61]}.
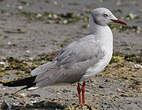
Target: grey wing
{"type": "Point", "coordinates": [42, 68]}
{"type": "Point", "coordinates": [71, 63]}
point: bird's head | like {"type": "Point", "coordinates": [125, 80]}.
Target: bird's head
{"type": "Point", "coordinates": [103, 16]}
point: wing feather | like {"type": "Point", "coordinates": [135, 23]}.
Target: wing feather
{"type": "Point", "coordinates": [71, 63]}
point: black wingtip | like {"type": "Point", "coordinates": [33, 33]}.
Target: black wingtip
{"type": "Point", "coordinates": [1, 82]}
{"type": "Point", "coordinates": [29, 82]}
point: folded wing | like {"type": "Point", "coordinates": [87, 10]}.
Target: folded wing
{"type": "Point", "coordinates": [70, 64]}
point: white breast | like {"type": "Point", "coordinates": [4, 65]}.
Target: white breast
{"type": "Point", "coordinates": [107, 46]}
{"type": "Point", "coordinates": [97, 67]}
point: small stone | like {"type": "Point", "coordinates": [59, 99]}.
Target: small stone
{"type": "Point", "coordinates": [65, 21]}
{"type": "Point", "coordinates": [27, 51]}
{"type": "Point", "coordinates": [9, 43]}
{"type": "Point", "coordinates": [39, 15]}
{"type": "Point", "coordinates": [55, 3]}
{"type": "Point", "coordinates": [137, 66]}
{"type": "Point", "coordinates": [2, 63]}
{"type": "Point", "coordinates": [49, 16]}
{"type": "Point", "coordinates": [31, 58]}
{"type": "Point", "coordinates": [55, 16]}
{"type": "Point", "coordinates": [20, 7]}
{"type": "Point", "coordinates": [23, 94]}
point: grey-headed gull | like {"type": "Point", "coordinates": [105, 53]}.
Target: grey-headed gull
{"type": "Point", "coordinates": [78, 61]}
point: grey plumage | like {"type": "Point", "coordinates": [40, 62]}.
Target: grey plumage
{"type": "Point", "coordinates": [78, 61]}
{"type": "Point", "coordinates": [70, 64]}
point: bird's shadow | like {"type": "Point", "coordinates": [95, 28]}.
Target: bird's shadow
{"type": "Point", "coordinates": [42, 105]}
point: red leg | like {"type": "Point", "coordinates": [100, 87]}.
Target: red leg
{"type": "Point", "coordinates": [79, 93]}
{"type": "Point", "coordinates": [83, 92]}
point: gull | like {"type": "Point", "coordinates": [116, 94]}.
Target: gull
{"type": "Point", "coordinates": [80, 60]}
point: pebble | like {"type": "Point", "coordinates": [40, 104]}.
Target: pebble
{"type": "Point", "coordinates": [39, 15]}
{"type": "Point", "coordinates": [2, 63]}
{"type": "Point", "coordinates": [20, 7]}
{"type": "Point", "coordinates": [23, 94]}
{"type": "Point", "coordinates": [137, 66]}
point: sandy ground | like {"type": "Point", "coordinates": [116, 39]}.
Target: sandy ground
{"type": "Point", "coordinates": [39, 37]}
{"type": "Point", "coordinates": [24, 32]}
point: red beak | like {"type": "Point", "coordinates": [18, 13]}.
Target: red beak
{"type": "Point", "coordinates": [119, 21]}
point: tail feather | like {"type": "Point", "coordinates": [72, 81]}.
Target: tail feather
{"type": "Point", "coordinates": [28, 82]}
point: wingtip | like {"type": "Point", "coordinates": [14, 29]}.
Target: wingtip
{"type": "Point", "coordinates": [2, 83]}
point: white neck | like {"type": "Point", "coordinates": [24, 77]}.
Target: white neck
{"type": "Point", "coordinates": [103, 34]}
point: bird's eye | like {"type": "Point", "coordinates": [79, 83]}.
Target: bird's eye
{"type": "Point", "coordinates": [105, 15]}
